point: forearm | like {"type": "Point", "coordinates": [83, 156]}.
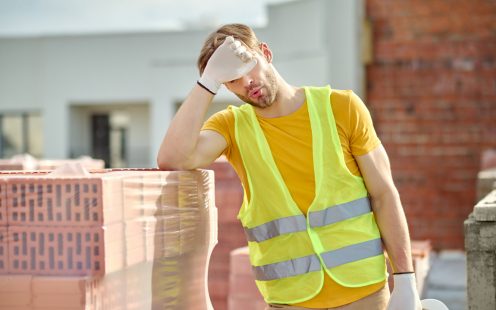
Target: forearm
{"type": "Point", "coordinates": [180, 141]}
{"type": "Point", "coordinates": [392, 223]}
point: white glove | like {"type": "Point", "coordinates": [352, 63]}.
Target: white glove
{"type": "Point", "coordinates": [230, 61]}
{"type": "Point", "coordinates": [404, 296]}
{"type": "Point", "coordinates": [433, 304]}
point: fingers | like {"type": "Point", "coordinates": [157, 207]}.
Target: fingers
{"type": "Point", "coordinates": [239, 49]}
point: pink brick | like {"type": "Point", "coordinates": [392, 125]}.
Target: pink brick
{"type": "Point", "coordinates": [245, 303]}
{"type": "Point", "coordinates": [160, 191]}
{"type": "Point", "coordinates": [15, 283]}
{"type": "Point", "coordinates": [240, 262]}
{"type": "Point", "coordinates": [7, 164]}
{"type": "Point", "coordinates": [59, 300]}
{"type": "Point", "coordinates": [87, 163]}
{"type": "Point", "coordinates": [113, 290]}
{"type": "Point", "coordinates": [44, 201]}
{"type": "Point", "coordinates": [4, 249]}
{"type": "Point", "coordinates": [62, 285]}
{"type": "Point", "coordinates": [36, 198]}
{"type": "Point", "coordinates": [14, 299]}
{"type": "Point", "coordinates": [132, 197]}
{"type": "Point", "coordinates": [135, 242]}
{"type": "Point", "coordinates": [65, 250]}
{"type": "Point", "coordinates": [3, 203]}
{"type": "Point", "coordinates": [242, 287]}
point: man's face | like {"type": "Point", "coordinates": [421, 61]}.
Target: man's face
{"type": "Point", "coordinates": [259, 86]}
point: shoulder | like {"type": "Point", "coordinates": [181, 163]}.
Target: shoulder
{"type": "Point", "coordinates": [345, 98]}
{"type": "Point", "coordinates": [347, 104]}
{"type": "Point", "coordinates": [221, 120]}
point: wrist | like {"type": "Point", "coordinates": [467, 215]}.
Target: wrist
{"type": "Point", "coordinates": [208, 84]}
{"type": "Point", "coordinates": [205, 88]}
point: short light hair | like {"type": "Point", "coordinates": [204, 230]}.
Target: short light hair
{"type": "Point", "coordinates": [215, 39]}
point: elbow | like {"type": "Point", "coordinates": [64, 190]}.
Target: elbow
{"type": "Point", "coordinates": [167, 163]}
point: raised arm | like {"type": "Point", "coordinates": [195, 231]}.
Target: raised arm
{"type": "Point", "coordinates": [184, 146]}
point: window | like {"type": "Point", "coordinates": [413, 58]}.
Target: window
{"type": "Point", "coordinates": [21, 133]}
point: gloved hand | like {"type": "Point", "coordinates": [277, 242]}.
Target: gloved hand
{"type": "Point", "coordinates": [230, 61]}
{"type": "Point", "coordinates": [404, 296]}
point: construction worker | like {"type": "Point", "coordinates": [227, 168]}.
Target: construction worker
{"type": "Point", "coordinates": [319, 199]}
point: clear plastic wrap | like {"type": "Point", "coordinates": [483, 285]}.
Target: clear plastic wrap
{"type": "Point", "coordinates": [112, 239]}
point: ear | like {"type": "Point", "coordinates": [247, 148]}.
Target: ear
{"type": "Point", "coordinates": [266, 52]}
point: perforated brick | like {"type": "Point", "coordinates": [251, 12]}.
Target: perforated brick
{"type": "Point", "coordinates": [45, 201]}
{"type": "Point", "coordinates": [4, 250]}
{"type": "Point", "coordinates": [65, 250]}
{"type": "Point", "coordinates": [37, 199]}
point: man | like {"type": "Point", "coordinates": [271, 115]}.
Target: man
{"type": "Point", "coordinates": [315, 175]}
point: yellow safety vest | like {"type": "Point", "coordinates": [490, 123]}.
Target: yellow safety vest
{"type": "Point", "coordinates": [288, 250]}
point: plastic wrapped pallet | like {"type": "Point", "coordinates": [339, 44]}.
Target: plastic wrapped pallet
{"type": "Point", "coordinates": [74, 241]}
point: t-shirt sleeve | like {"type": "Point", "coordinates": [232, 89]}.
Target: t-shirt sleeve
{"type": "Point", "coordinates": [362, 135]}
{"type": "Point", "coordinates": [220, 123]}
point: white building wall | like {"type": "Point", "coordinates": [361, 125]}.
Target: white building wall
{"type": "Point", "coordinates": [314, 42]}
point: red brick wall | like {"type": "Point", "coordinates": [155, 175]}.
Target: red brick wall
{"type": "Point", "coordinates": [431, 88]}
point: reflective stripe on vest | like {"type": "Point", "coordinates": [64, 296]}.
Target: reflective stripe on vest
{"type": "Point", "coordinates": [298, 223]}
{"type": "Point", "coordinates": [340, 212]}
{"type": "Point", "coordinates": [277, 227]}
{"type": "Point", "coordinates": [289, 268]}
{"type": "Point", "coordinates": [353, 253]}
{"type": "Point", "coordinates": [294, 267]}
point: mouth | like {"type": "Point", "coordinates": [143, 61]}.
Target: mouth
{"type": "Point", "coordinates": [255, 92]}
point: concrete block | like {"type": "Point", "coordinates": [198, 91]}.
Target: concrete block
{"type": "Point", "coordinates": [479, 235]}
{"type": "Point", "coordinates": [480, 246]}
{"type": "Point", "coordinates": [485, 210]}
{"type": "Point", "coordinates": [481, 280]}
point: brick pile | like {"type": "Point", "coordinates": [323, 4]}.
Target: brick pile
{"type": "Point", "coordinates": [113, 239]}
{"type": "Point", "coordinates": [27, 162]}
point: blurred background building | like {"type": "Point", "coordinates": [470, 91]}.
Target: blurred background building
{"type": "Point", "coordinates": [426, 70]}
{"type": "Point", "coordinates": [112, 96]}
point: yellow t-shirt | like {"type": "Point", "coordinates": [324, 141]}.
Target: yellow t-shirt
{"type": "Point", "coordinates": [290, 141]}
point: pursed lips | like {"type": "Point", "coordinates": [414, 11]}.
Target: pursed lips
{"type": "Point", "coordinates": [255, 92]}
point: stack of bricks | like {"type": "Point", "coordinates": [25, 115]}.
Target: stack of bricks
{"type": "Point", "coordinates": [114, 239]}
{"type": "Point", "coordinates": [87, 163]}
{"type": "Point", "coordinates": [27, 162]}
{"type": "Point", "coordinates": [228, 197]}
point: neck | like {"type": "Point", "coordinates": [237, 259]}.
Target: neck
{"type": "Point", "coordinates": [288, 99]}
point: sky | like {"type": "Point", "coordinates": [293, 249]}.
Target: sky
{"type": "Point", "coordinates": [42, 17]}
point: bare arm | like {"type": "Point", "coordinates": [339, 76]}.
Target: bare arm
{"type": "Point", "coordinates": [185, 146]}
{"type": "Point", "coordinates": [390, 217]}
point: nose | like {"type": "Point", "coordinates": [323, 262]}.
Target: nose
{"type": "Point", "coordinates": [246, 81]}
